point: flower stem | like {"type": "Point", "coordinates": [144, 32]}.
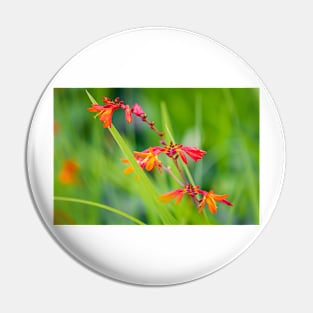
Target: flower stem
{"type": "Point", "coordinates": [151, 124]}
{"type": "Point", "coordinates": [168, 170]}
{"type": "Point", "coordinates": [99, 205]}
{"type": "Point", "coordinates": [181, 171]}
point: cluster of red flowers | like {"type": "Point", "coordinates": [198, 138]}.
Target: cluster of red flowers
{"type": "Point", "coordinates": [208, 197]}
{"type": "Point", "coordinates": [105, 112]}
{"type": "Point", "coordinates": [148, 159]}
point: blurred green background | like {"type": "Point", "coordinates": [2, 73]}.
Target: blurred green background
{"type": "Point", "coordinates": [87, 161]}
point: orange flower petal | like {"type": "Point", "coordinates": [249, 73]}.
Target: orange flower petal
{"type": "Point", "coordinates": [202, 204]}
{"type": "Point", "coordinates": [106, 118]}
{"type": "Point", "coordinates": [128, 114]}
{"type": "Point", "coordinates": [212, 205]}
{"type": "Point", "coordinates": [141, 155]}
{"type": "Point", "coordinates": [183, 157]}
{"type": "Point", "coordinates": [128, 170]}
{"type": "Point", "coordinates": [179, 197]}
{"type": "Point", "coordinates": [166, 197]}
{"type": "Point", "coordinates": [150, 164]}
{"type": "Point", "coordinates": [219, 197]}
{"type": "Point", "coordinates": [92, 109]}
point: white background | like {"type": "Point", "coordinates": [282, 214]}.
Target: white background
{"type": "Point", "coordinates": [274, 274]}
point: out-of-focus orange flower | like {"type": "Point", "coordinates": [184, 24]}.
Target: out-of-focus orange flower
{"type": "Point", "coordinates": [210, 199]}
{"type": "Point", "coordinates": [61, 218]}
{"type": "Point", "coordinates": [55, 127]}
{"type": "Point", "coordinates": [128, 169]}
{"type": "Point", "coordinates": [68, 173]}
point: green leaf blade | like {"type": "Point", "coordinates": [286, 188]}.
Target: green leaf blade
{"type": "Point", "coordinates": [102, 206]}
{"type": "Point", "coordinates": [149, 195]}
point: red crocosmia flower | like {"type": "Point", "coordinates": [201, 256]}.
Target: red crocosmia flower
{"type": "Point", "coordinates": [106, 118]}
{"type": "Point", "coordinates": [156, 150]}
{"type": "Point", "coordinates": [68, 173]}
{"type": "Point", "coordinates": [128, 114]}
{"type": "Point", "coordinates": [174, 150]}
{"type": "Point", "coordinates": [138, 110]}
{"type": "Point", "coordinates": [195, 153]}
{"type": "Point", "coordinates": [104, 112]}
{"type": "Point", "coordinates": [109, 101]}
{"type": "Point", "coordinates": [178, 193]}
{"type": "Point", "coordinates": [148, 158]}
{"type": "Point", "coordinates": [210, 199]}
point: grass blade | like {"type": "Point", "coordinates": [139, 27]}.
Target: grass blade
{"type": "Point", "coordinates": [92, 99]}
{"type": "Point", "coordinates": [170, 137]}
{"type": "Point", "coordinates": [147, 187]}
{"type": "Point", "coordinates": [148, 192]}
{"type": "Point", "coordinates": [102, 206]}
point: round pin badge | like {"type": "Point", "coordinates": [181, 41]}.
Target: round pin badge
{"type": "Point", "coordinates": [155, 156]}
